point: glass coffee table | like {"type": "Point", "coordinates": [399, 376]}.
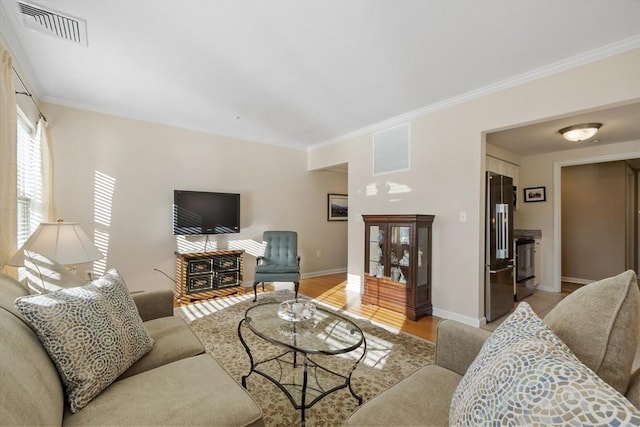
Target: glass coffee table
{"type": "Point", "coordinates": [304, 381]}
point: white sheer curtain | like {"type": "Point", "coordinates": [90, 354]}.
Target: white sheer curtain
{"type": "Point", "coordinates": [44, 139]}
{"type": "Point", "coordinates": [8, 160]}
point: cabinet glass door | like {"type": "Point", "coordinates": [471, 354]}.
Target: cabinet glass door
{"type": "Point", "coordinates": [423, 264]}
{"type": "Point", "coordinates": [400, 253]}
{"type": "Point", "coordinates": [376, 251]}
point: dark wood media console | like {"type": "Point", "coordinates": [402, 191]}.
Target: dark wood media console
{"type": "Point", "coordinates": [206, 275]}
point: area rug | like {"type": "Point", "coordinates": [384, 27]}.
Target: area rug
{"type": "Point", "coordinates": [390, 357]}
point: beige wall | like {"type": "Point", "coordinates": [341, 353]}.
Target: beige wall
{"type": "Point", "coordinates": [447, 166]}
{"type": "Point", "coordinates": [593, 220]}
{"type": "Point", "coordinates": [148, 161]}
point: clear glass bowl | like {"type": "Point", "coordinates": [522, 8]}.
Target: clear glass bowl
{"type": "Point", "coordinates": [296, 310]}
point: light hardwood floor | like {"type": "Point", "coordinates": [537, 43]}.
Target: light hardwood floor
{"type": "Point", "coordinates": [332, 290]}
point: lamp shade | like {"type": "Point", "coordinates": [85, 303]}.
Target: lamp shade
{"type": "Point", "coordinates": [64, 242]}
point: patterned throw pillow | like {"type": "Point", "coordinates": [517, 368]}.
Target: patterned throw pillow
{"type": "Point", "coordinates": [525, 375]}
{"type": "Point", "coordinates": [46, 275]}
{"type": "Point", "coordinates": [93, 333]}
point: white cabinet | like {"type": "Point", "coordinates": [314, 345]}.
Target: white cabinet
{"type": "Point", "coordinates": [494, 165]}
{"type": "Point", "coordinates": [503, 168]}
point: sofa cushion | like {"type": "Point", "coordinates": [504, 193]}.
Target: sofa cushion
{"type": "Point", "coordinates": [45, 274]}
{"type": "Point", "coordinates": [458, 345]}
{"type": "Point", "coordinates": [31, 392]}
{"type": "Point", "coordinates": [153, 304]}
{"type": "Point", "coordinates": [173, 341]}
{"type": "Point", "coordinates": [600, 323]}
{"type": "Point", "coordinates": [10, 289]}
{"type": "Point", "coordinates": [422, 398]}
{"type": "Point", "coordinates": [525, 375]}
{"type": "Point", "coordinates": [196, 391]}
{"type": "Point", "coordinates": [92, 333]}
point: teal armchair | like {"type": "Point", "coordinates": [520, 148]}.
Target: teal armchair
{"type": "Point", "coordinates": [280, 262]}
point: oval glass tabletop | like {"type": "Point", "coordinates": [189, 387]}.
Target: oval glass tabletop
{"type": "Point", "coordinates": [325, 332]}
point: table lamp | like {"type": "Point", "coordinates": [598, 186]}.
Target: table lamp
{"type": "Point", "coordinates": [64, 242]}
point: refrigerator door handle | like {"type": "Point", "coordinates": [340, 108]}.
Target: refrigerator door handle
{"type": "Point", "coordinates": [502, 230]}
{"type": "Point", "coordinates": [500, 270]}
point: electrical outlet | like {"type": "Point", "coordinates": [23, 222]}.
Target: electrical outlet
{"type": "Point", "coordinates": [319, 253]}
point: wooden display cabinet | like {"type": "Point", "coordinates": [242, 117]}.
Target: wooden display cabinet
{"type": "Point", "coordinates": [205, 275]}
{"type": "Point", "coordinates": [397, 271]}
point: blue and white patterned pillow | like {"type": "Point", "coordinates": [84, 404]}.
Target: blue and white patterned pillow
{"type": "Point", "coordinates": [92, 333]}
{"type": "Point", "coordinates": [525, 375]}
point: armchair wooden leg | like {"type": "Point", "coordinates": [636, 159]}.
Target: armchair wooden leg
{"type": "Point", "coordinates": [297, 286]}
{"type": "Point", "coordinates": [255, 290]}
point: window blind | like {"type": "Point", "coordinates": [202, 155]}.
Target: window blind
{"type": "Point", "coordinates": [30, 200]}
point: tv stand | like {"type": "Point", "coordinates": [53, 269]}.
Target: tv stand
{"type": "Point", "coordinates": [206, 275]}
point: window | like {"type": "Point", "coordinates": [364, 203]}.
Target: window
{"type": "Point", "coordinates": [31, 210]}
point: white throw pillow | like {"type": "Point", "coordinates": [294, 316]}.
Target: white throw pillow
{"type": "Point", "coordinates": [93, 333]}
{"type": "Point", "coordinates": [525, 375]}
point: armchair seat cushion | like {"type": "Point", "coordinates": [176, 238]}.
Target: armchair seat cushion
{"type": "Point", "coordinates": [421, 399]}
{"type": "Point", "coordinates": [202, 393]}
{"type": "Point", "coordinates": [276, 269]}
{"type": "Point", "coordinates": [173, 341]}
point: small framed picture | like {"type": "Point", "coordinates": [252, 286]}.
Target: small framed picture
{"type": "Point", "coordinates": [535, 194]}
{"type": "Point", "coordinates": [337, 207]}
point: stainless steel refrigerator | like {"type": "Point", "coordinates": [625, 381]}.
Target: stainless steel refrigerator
{"type": "Point", "coordinates": [499, 257]}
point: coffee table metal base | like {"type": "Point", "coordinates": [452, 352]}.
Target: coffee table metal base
{"type": "Point", "coordinates": [308, 386]}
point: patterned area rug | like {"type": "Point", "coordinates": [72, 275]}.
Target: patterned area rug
{"type": "Point", "coordinates": [391, 356]}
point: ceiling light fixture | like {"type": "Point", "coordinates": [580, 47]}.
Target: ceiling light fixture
{"type": "Point", "coordinates": [581, 132]}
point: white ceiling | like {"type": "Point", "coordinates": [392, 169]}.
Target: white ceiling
{"type": "Point", "coordinates": [303, 73]}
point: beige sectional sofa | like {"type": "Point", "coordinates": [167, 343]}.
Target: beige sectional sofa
{"type": "Point", "coordinates": [599, 324]}
{"type": "Point", "coordinates": [175, 383]}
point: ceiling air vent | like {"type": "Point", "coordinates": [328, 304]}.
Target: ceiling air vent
{"type": "Point", "coordinates": [53, 23]}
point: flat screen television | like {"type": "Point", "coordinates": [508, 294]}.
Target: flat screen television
{"type": "Point", "coordinates": [203, 212]}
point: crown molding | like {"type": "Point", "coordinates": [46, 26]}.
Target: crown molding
{"type": "Point", "coordinates": [538, 73]}
{"type": "Point", "coordinates": [21, 61]}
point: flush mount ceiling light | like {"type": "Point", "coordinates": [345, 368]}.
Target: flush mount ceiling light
{"type": "Point", "coordinates": [581, 132]}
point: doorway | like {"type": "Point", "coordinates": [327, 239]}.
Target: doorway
{"type": "Point", "coordinates": [596, 217]}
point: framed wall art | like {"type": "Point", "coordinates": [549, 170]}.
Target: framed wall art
{"type": "Point", "coordinates": [337, 207]}
{"type": "Point", "coordinates": [535, 194]}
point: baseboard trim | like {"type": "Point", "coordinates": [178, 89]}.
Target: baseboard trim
{"type": "Point", "coordinates": [546, 289]}
{"type": "Point", "coordinates": [459, 318]}
{"type": "Point", "coordinates": [323, 273]}
{"type": "Point", "coordinates": [249, 284]}
{"type": "Point", "coordinates": [577, 280]}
